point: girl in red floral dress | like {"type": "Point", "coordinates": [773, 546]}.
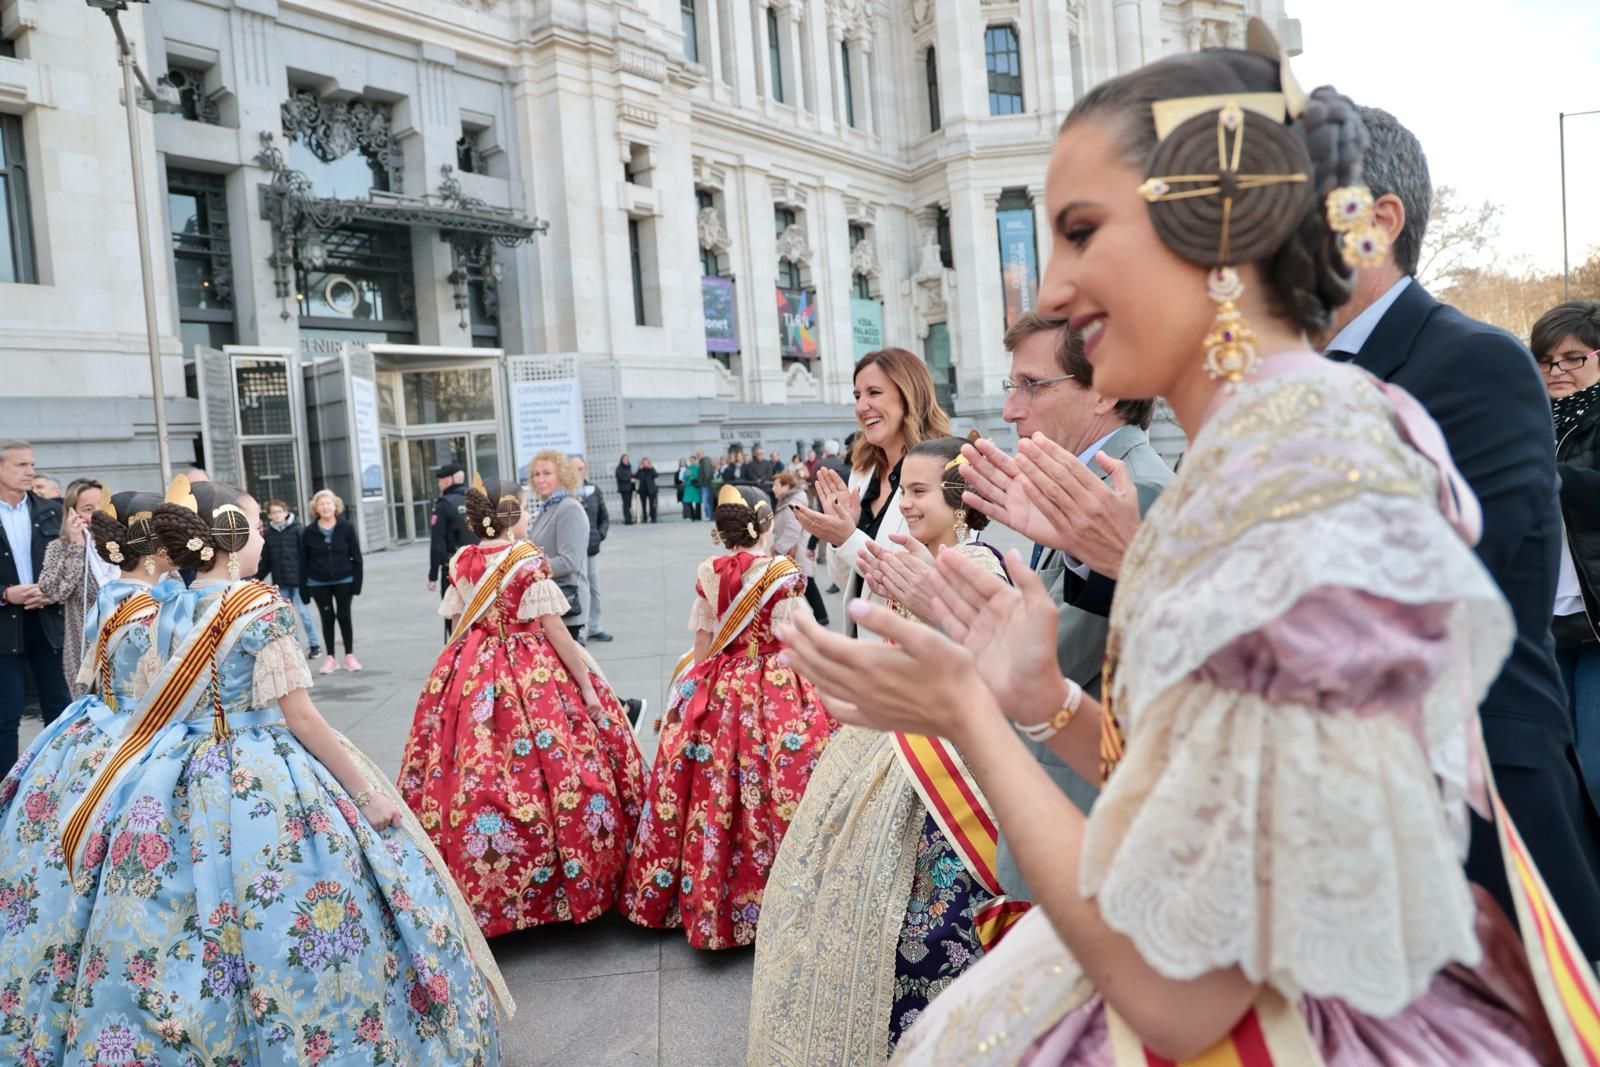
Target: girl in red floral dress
{"type": "Point", "coordinates": [520, 764]}
{"type": "Point", "coordinates": [741, 736]}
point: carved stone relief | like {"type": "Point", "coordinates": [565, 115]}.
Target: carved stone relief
{"type": "Point", "coordinates": [713, 234]}
{"type": "Point", "coordinates": [332, 129]}
{"type": "Point", "coordinates": [792, 246]}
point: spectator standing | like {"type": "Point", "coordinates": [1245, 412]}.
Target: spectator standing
{"type": "Point", "coordinates": [47, 487]}
{"type": "Point", "coordinates": [447, 527]}
{"type": "Point", "coordinates": [31, 627]}
{"type": "Point", "coordinates": [280, 561]}
{"type": "Point", "coordinates": [703, 485]}
{"type": "Point", "coordinates": [73, 573]}
{"type": "Point", "coordinates": [561, 529]}
{"type": "Point", "coordinates": [594, 505]}
{"type": "Point", "coordinates": [680, 478]}
{"type": "Point", "coordinates": [330, 568]}
{"type": "Point", "coordinates": [790, 539]}
{"type": "Point", "coordinates": [648, 491]}
{"type": "Point", "coordinates": [1566, 344]}
{"type": "Point", "coordinates": [625, 489]}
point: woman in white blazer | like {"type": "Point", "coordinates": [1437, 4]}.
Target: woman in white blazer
{"type": "Point", "coordinates": [895, 409]}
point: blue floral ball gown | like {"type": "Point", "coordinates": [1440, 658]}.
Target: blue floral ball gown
{"type": "Point", "coordinates": [240, 908]}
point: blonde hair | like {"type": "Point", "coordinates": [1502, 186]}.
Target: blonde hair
{"type": "Point", "coordinates": [566, 470]}
{"type": "Point", "coordinates": [924, 418]}
{"type": "Point", "coordinates": [311, 505]}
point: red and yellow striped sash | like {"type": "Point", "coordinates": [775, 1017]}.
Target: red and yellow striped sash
{"type": "Point", "coordinates": [740, 613]}
{"type": "Point", "coordinates": [162, 705]}
{"type": "Point", "coordinates": [137, 606]}
{"type": "Point", "coordinates": [489, 587]}
{"type": "Point", "coordinates": [1271, 1034]}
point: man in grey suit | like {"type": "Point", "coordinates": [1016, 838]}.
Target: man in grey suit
{"type": "Point", "coordinates": [1051, 392]}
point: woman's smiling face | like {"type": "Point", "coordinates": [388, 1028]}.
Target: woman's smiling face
{"type": "Point", "coordinates": [880, 410]}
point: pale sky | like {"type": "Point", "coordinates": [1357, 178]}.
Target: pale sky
{"type": "Point", "coordinates": [1480, 82]}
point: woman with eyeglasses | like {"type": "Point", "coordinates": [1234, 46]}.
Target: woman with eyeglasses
{"type": "Point", "coordinates": [1566, 342]}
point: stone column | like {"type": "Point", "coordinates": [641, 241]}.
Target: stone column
{"type": "Point", "coordinates": [1130, 45]}
{"type": "Point", "coordinates": [763, 361]}
{"type": "Point", "coordinates": [747, 76]}
{"type": "Point", "coordinates": [790, 27]}
{"type": "Point", "coordinates": [435, 125]}
{"type": "Point", "coordinates": [977, 321]}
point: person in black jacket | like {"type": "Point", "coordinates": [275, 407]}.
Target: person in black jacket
{"type": "Point", "coordinates": [330, 568]}
{"type": "Point", "coordinates": [31, 627]}
{"type": "Point", "coordinates": [1566, 345]}
{"type": "Point", "coordinates": [447, 529]}
{"type": "Point", "coordinates": [594, 503]}
{"type": "Point", "coordinates": [648, 491]}
{"type": "Point", "coordinates": [280, 561]}
{"type": "Point", "coordinates": [625, 489]}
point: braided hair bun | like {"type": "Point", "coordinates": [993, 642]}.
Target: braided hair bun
{"type": "Point", "coordinates": [741, 523]}
{"type": "Point", "coordinates": [493, 507]}
{"type": "Point", "coordinates": [193, 538]}
{"type": "Point", "coordinates": [122, 535]}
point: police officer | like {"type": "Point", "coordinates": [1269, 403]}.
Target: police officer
{"type": "Point", "coordinates": [449, 528]}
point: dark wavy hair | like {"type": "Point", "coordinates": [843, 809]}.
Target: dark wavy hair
{"type": "Point", "coordinates": [493, 508]}
{"type": "Point", "coordinates": [945, 450]}
{"type": "Point", "coordinates": [128, 533]}
{"type": "Point", "coordinates": [193, 538]}
{"type": "Point", "coordinates": [741, 525]}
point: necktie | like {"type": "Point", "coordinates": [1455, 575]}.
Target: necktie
{"type": "Point", "coordinates": [1038, 554]}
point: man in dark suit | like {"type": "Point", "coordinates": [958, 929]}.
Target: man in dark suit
{"type": "Point", "coordinates": [31, 627]}
{"type": "Point", "coordinates": [1481, 386]}
{"type": "Point", "coordinates": [447, 528]}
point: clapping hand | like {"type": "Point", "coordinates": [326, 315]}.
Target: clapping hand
{"type": "Point", "coordinates": [900, 575]}
{"type": "Point", "coordinates": [841, 509]}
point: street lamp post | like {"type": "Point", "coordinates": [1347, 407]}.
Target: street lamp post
{"type": "Point", "coordinates": [132, 97]}
{"type": "Point", "coordinates": [1561, 122]}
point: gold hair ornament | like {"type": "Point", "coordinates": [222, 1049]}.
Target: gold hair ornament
{"type": "Point", "coordinates": [961, 457]}
{"type": "Point", "coordinates": [107, 507]}
{"type": "Point", "coordinates": [1350, 215]}
{"type": "Point", "coordinates": [180, 493]}
{"type": "Point", "coordinates": [729, 494]}
{"type": "Point", "coordinates": [114, 552]}
{"type": "Point", "coordinates": [477, 483]}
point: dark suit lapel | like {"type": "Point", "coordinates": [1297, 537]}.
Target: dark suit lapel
{"type": "Point", "coordinates": [1389, 346]}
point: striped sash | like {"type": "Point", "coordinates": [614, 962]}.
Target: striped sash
{"type": "Point", "coordinates": [489, 586]}
{"type": "Point", "coordinates": [180, 680]}
{"type": "Point", "coordinates": [136, 607]}
{"type": "Point", "coordinates": [957, 805]}
{"type": "Point", "coordinates": [741, 612]}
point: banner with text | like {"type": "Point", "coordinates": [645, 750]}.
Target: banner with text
{"type": "Point", "coordinates": [546, 415]}
{"type": "Point", "coordinates": [797, 323]}
{"type": "Point", "coordinates": [866, 324]}
{"type": "Point", "coordinates": [722, 320]}
{"type": "Point", "coordinates": [369, 443]}
{"type": "Point", "coordinates": [1019, 267]}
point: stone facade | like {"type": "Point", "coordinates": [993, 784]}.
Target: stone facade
{"type": "Point", "coordinates": [772, 143]}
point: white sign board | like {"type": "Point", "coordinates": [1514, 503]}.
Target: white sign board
{"type": "Point", "coordinates": [546, 415]}
{"type": "Point", "coordinates": [369, 445]}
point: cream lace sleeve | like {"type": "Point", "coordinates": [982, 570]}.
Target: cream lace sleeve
{"type": "Point", "coordinates": [543, 597]}
{"type": "Point", "coordinates": [280, 670]}
{"type": "Point", "coordinates": [790, 602]}
{"type": "Point", "coordinates": [86, 667]}
{"type": "Point", "coordinates": [452, 604]}
{"type": "Point", "coordinates": [702, 616]}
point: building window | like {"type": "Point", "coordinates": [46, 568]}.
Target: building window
{"type": "Point", "coordinates": [849, 84]}
{"type": "Point", "coordinates": [1003, 57]}
{"type": "Point", "coordinates": [190, 83]}
{"type": "Point", "coordinates": [941, 229]}
{"type": "Point", "coordinates": [934, 118]}
{"type": "Point", "coordinates": [775, 55]}
{"type": "Point", "coordinates": [936, 353]}
{"type": "Point", "coordinates": [708, 256]}
{"type": "Point", "coordinates": [16, 244]}
{"type": "Point", "coordinates": [198, 208]}
{"type": "Point", "coordinates": [359, 277]}
{"type": "Point", "coordinates": [636, 263]}
{"type": "Point", "coordinates": [788, 271]}
{"type": "Point", "coordinates": [691, 31]}
{"type": "Point", "coordinates": [860, 284]}
{"type": "Point", "coordinates": [469, 152]}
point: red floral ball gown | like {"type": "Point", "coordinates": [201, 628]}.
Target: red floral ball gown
{"type": "Point", "coordinates": [532, 799]}
{"type": "Point", "coordinates": [742, 736]}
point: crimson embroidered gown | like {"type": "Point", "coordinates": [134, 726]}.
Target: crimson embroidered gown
{"type": "Point", "coordinates": [741, 739]}
{"type": "Point", "coordinates": [532, 800]}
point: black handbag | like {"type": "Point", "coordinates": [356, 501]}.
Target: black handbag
{"type": "Point", "coordinates": [570, 591]}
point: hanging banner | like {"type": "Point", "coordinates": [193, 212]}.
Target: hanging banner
{"type": "Point", "coordinates": [546, 415]}
{"type": "Point", "coordinates": [1019, 268]}
{"type": "Point", "coordinates": [797, 323]}
{"type": "Point", "coordinates": [722, 321]}
{"type": "Point", "coordinates": [866, 325]}
{"type": "Point", "coordinates": [369, 445]}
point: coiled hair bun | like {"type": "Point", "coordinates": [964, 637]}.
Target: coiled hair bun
{"type": "Point", "coordinates": [740, 524]}
{"type": "Point", "coordinates": [123, 536]}
{"type": "Point", "coordinates": [493, 507]}
{"type": "Point", "coordinates": [218, 524]}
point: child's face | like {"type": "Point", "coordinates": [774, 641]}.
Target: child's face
{"type": "Point", "coordinates": [276, 514]}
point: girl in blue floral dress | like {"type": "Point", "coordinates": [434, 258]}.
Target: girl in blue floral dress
{"type": "Point", "coordinates": [255, 894]}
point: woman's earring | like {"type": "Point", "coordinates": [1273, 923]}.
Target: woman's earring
{"type": "Point", "coordinates": [1231, 344]}
{"type": "Point", "coordinates": [150, 566]}
{"type": "Point", "coordinates": [961, 525]}
{"type": "Point", "coordinates": [233, 567]}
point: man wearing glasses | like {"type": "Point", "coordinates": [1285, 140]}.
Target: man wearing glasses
{"type": "Point", "coordinates": [1051, 392]}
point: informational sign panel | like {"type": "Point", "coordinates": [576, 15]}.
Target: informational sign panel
{"type": "Point", "coordinates": [1019, 267]}
{"type": "Point", "coordinates": [866, 325]}
{"type": "Point", "coordinates": [369, 444]}
{"type": "Point", "coordinates": [546, 415]}
{"type": "Point", "coordinates": [797, 323]}
{"type": "Point", "coordinates": [722, 321]}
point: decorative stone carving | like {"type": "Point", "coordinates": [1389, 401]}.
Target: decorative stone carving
{"type": "Point", "coordinates": [332, 129]}
{"type": "Point", "coordinates": [708, 175]}
{"type": "Point", "coordinates": [921, 14]}
{"type": "Point", "coordinates": [1208, 32]}
{"type": "Point", "coordinates": [852, 19]}
{"type": "Point", "coordinates": [651, 66]}
{"type": "Point", "coordinates": [799, 383]}
{"type": "Point", "coordinates": [793, 247]}
{"type": "Point", "coordinates": [929, 287]}
{"type": "Point", "coordinates": [864, 258]}
{"type": "Point", "coordinates": [785, 194]}
{"type": "Point", "coordinates": [713, 235]}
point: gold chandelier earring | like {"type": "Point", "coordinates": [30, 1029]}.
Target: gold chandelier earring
{"type": "Point", "coordinates": [233, 567]}
{"type": "Point", "coordinates": [961, 526]}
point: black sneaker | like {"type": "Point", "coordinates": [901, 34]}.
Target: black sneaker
{"type": "Point", "coordinates": [636, 709]}
{"type": "Point", "coordinates": [315, 653]}
{"type": "Point", "coordinates": [601, 636]}
{"type": "Point", "coordinates": [833, 589]}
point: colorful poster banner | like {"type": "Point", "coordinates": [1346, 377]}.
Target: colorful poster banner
{"type": "Point", "coordinates": [797, 323]}
{"type": "Point", "coordinates": [1019, 267]}
{"type": "Point", "coordinates": [866, 325]}
{"type": "Point", "coordinates": [722, 320]}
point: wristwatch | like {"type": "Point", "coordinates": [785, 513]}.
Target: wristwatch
{"type": "Point", "coordinates": [1044, 731]}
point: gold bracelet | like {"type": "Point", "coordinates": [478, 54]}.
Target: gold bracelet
{"type": "Point", "coordinates": [364, 797]}
{"type": "Point", "coordinates": [1044, 731]}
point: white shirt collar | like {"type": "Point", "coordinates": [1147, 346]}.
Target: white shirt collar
{"type": "Point", "coordinates": [1086, 457]}
{"type": "Point", "coordinates": [1359, 330]}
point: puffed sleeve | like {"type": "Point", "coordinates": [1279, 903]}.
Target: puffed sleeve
{"type": "Point", "coordinates": [791, 602]}
{"type": "Point", "coordinates": [702, 616]}
{"type": "Point", "coordinates": [1319, 857]}
{"type": "Point", "coordinates": [280, 666]}
{"type": "Point", "coordinates": [452, 603]}
{"type": "Point", "coordinates": [542, 597]}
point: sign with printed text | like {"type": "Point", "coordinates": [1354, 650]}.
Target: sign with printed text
{"type": "Point", "coordinates": [722, 321]}
{"type": "Point", "coordinates": [866, 325]}
{"type": "Point", "coordinates": [797, 323]}
{"type": "Point", "coordinates": [546, 415]}
{"type": "Point", "coordinates": [1019, 267]}
{"type": "Point", "coordinates": [369, 445]}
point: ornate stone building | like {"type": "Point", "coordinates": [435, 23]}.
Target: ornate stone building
{"type": "Point", "coordinates": [372, 213]}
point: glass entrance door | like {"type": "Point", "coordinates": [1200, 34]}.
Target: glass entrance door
{"type": "Point", "coordinates": [425, 455]}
